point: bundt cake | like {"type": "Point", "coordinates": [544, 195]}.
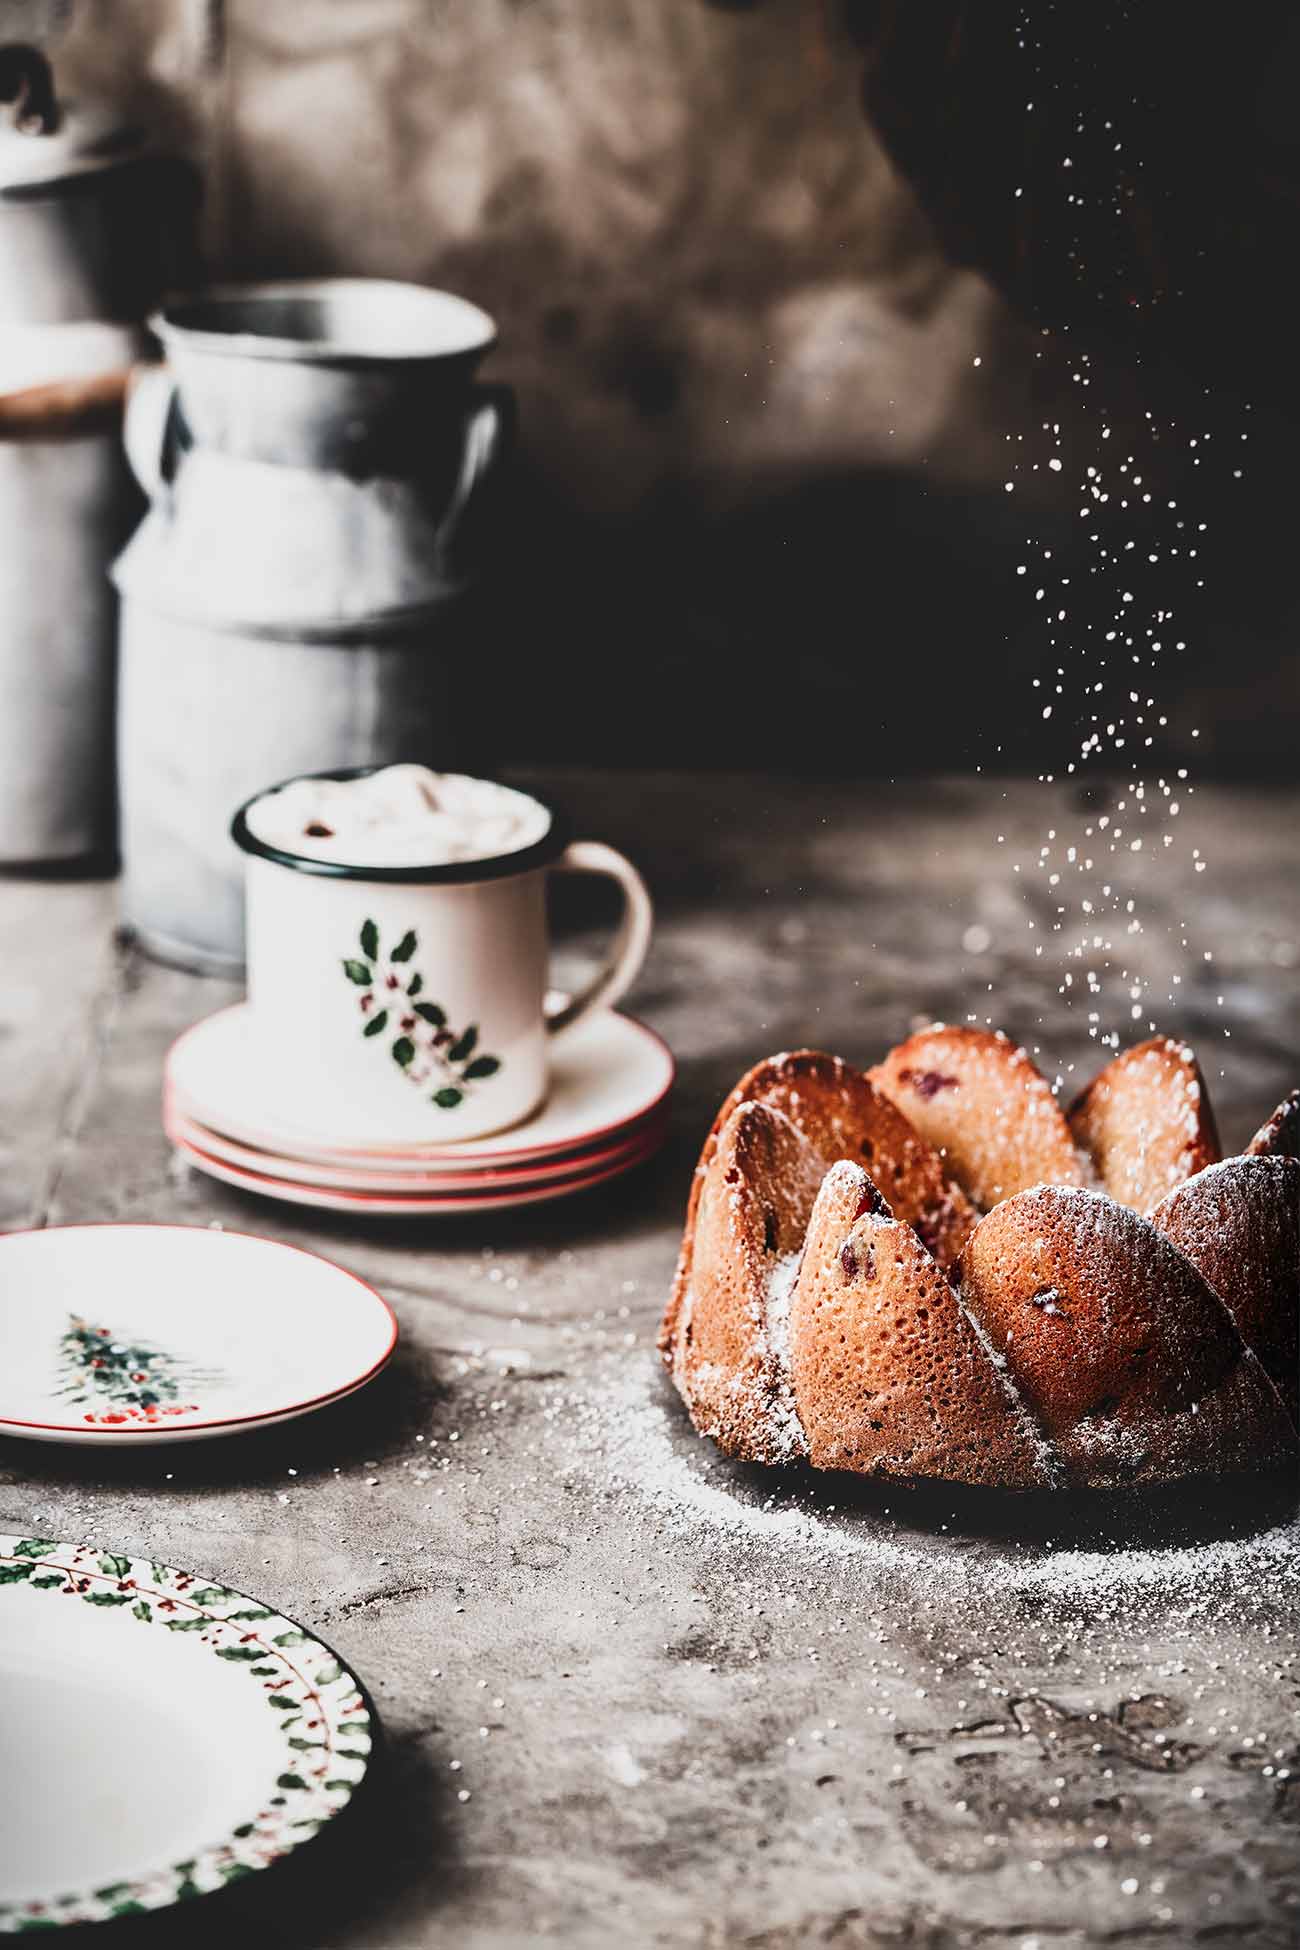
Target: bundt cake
{"type": "Point", "coordinates": [930, 1271]}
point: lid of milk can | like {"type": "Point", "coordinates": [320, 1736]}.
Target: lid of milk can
{"type": "Point", "coordinates": [44, 141]}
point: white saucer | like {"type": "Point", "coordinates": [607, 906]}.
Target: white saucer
{"type": "Point", "coordinates": [607, 1072]}
{"type": "Point", "coordinates": [412, 1204]}
{"type": "Point", "coordinates": [119, 1334]}
{"type": "Point", "coordinates": [163, 1735]}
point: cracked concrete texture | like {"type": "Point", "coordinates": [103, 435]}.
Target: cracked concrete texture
{"type": "Point", "coordinates": [695, 1704]}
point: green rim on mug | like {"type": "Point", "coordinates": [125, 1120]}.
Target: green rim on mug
{"type": "Point", "coordinates": [542, 853]}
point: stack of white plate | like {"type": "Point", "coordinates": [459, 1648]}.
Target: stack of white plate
{"type": "Point", "coordinates": [606, 1112]}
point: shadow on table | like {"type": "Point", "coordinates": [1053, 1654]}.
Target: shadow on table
{"type": "Point", "coordinates": [1197, 1511]}
{"type": "Point", "coordinates": [387, 1412]}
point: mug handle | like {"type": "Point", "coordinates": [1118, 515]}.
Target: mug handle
{"type": "Point", "coordinates": [623, 963]}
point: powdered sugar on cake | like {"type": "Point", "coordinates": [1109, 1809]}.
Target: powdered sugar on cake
{"type": "Point", "coordinates": [787, 1431]}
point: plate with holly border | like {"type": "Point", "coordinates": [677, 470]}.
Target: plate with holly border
{"type": "Point", "coordinates": [119, 1334]}
{"type": "Point", "coordinates": [163, 1735]}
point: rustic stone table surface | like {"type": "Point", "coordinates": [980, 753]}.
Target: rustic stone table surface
{"type": "Point", "coordinates": [632, 1693]}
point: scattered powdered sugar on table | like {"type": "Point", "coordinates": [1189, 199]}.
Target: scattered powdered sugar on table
{"type": "Point", "coordinates": [629, 1439]}
{"type": "Point", "coordinates": [1208, 1571]}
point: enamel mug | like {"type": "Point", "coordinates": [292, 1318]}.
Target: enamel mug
{"type": "Point", "coordinates": [412, 1004]}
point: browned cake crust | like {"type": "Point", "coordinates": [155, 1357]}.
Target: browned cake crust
{"type": "Point", "coordinates": [1280, 1137]}
{"type": "Point", "coordinates": [889, 1375]}
{"type": "Point", "coordinates": [1239, 1224]}
{"type": "Point", "coordinates": [751, 1214]}
{"type": "Point", "coordinates": [1125, 1356]}
{"type": "Point", "coordinates": [1146, 1122]}
{"type": "Point", "coordinates": [1085, 1344]}
{"type": "Point", "coordinates": [840, 1115]}
{"type": "Point", "coordinates": [985, 1106]}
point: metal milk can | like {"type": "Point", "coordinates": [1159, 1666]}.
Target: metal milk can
{"type": "Point", "coordinates": [317, 457]}
{"type": "Point", "coordinates": [91, 227]}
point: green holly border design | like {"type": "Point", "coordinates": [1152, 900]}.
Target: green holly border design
{"type": "Point", "coordinates": [322, 1716]}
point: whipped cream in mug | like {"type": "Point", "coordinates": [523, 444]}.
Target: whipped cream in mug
{"type": "Point", "coordinates": [402, 816]}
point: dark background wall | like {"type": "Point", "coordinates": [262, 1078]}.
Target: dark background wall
{"type": "Point", "coordinates": [745, 259]}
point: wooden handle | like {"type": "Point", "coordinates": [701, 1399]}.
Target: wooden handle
{"type": "Point", "coordinates": [65, 409]}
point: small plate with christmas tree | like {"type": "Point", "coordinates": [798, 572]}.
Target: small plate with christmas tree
{"type": "Point", "coordinates": [139, 1333]}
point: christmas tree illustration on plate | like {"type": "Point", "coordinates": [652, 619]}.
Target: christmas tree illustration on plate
{"type": "Point", "coordinates": [119, 1380]}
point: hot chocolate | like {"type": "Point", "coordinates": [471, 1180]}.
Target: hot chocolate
{"type": "Point", "coordinates": [402, 816]}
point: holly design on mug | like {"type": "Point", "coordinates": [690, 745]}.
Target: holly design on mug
{"type": "Point", "coordinates": [421, 1042]}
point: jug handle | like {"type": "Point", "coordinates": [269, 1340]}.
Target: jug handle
{"type": "Point", "coordinates": [490, 426]}
{"type": "Point", "coordinates": [65, 409]}
{"type": "Point", "coordinates": [152, 433]}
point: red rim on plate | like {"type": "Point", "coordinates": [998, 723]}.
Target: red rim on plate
{"type": "Point", "coordinates": [416, 1206]}
{"type": "Point", "coordinates": [179, 1126]}
{"type": "Point", "coordinates": [213, 1423]}
{"type": "Point", "coordinates": [305, 1147]}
